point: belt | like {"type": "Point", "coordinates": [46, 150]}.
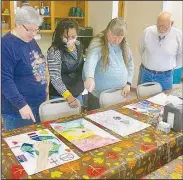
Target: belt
{"type": "Point", "coordinates": [155, 72]}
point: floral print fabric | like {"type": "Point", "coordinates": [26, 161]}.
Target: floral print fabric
{"type": "Point", "coordinates": [133, 157]}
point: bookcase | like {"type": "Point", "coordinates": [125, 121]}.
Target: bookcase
{"type": "Point", "coordinates": [7, 15]}
{"type": "Point", "coordinates": [58, 10]}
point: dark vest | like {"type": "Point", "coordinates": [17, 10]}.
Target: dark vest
{"type": "Point", "coordinates": [71, 73]}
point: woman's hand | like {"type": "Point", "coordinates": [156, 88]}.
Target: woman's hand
{"type": "Point", "coordinates": [26, 113]}
{"type": "Point", "coordinates": [125, 90]}
{"type": "Point", "coordinates": [73, 103]}
{"type": "Point", "coordinates": [89, 84]}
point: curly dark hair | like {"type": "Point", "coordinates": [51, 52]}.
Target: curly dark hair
{"type": "Point", "coordinates": [65, 24]}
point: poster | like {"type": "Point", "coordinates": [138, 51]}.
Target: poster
{"type": "Point", "coordinates": [40, 150]}
{"type": "Point", "coordinates": [84, 134]}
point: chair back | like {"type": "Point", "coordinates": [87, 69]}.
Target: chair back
{"type": "Point", "coordinates": [110, 97]}
{"type": "Point", "coordinates": [149, 88]}
{"type": "Point", "coordinates": [56, 108]}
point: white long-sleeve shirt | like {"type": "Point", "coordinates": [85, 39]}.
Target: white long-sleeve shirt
{"type": "Point", "coordinates": [161, 55]}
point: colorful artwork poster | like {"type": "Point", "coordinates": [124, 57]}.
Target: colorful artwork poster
{"type": "Point", "coordinates": [117, 122]}
{"type": "Point", "coordinates": [146, 107]}
{"type": "Point", "coordinates": [40, 150]}
{"type": "Point", "coordinates": [84, 134]}
{"type": "Point", "coordinates": [178, 93]}
{"type": "Point", "coordinates": [163, 99]}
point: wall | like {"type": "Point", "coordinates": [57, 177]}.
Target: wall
{"type": "Point", "coordinates": [175, 7]}
{"type": "Point", "coordinates": [45, 42]}
{"type": "Point", "coordinates": [139, 15]}
{"type": "Point", "coordinates": [99, 14]}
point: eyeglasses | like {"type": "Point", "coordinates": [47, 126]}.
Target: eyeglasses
{"type": "Point", "coordinates": [30, 30]}
{"type": "Point", "coordinates": [163, 26]}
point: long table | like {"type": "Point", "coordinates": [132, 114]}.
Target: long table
{"type": "Point", "coordinates": [172, 170]}
{"type": "Point", "coordinates": [133, 157]}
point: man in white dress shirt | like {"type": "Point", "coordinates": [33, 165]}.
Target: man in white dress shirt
{"type": "Point", "coordinates": [161, 51]}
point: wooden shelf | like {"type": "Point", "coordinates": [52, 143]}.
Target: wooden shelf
{"type": "Point", "coordinates": [46, 31]}
{"type": "Point", "coordinates": [46, 16]}
{"type": "Point", "coordinates": [58, 10]}
{"type": "Point", "coordinates": [5, 30]}
{"type": "Point", "coordinates": [69, 17]}
{"type": "Point", "coordinates": [3, 14]}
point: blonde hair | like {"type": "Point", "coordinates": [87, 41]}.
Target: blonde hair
{"type": "Point", "coordinates": [118, 27]}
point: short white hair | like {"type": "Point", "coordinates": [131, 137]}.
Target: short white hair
{"type": "Point", "coordinates": [28, 15]}
{"type": "Point", "coordinates": [166, 14]}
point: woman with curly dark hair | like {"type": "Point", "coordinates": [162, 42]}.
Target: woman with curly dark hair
{"type": "Point", "coordinates": [65, 63]}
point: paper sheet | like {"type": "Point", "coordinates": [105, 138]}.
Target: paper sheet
{"type": "Point", "coordinates": [146, 107]}
{"type": "Point", "coordinates": [178, 93]}
{"type": "Point", "coordinates": [164, 99]}
{"type": "Point", "coordinates": [117, 122]}
{"type": "Point", "coordinates": [40, 150]}
{"type": "Point", "coordinates": [84, 134]}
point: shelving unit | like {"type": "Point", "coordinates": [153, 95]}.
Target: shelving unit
{"type": "Point", "coordinates": [46, 31]}
{"type": "Point", "coordinates": [47, 18]}
{"type": "Point", "coordinates": [3, 14]}
{"type": "Point", "coordinates": [69, 17]}
{"type": "Point", "coordinates": [58, 10]}
{"type": "Point", "coordinates": [5, 30]}
{"type": "Point", "coordinates": [8, 18]}
{"type": "Point", "coordinates": [62, 9]}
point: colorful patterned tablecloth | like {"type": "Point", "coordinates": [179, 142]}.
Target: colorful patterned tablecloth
{"type": "Point", "coordinates": [133, 157]}
{"type": "Point", "coordinates": [172, 170]}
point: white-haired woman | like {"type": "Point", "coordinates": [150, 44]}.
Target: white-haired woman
{"type": "Point", "coordinates": [109, 63]}
{"type": "Point", "coordinates": [23, 71]}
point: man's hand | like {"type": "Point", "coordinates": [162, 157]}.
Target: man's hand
{"type": "Point", "coordinates": [26, 113]}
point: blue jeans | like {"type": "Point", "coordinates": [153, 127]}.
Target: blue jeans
{"type": "Point", "coordinates": [13, 121]}
{"type": "Point", "coordinates": [79, 98]}
{"type": "Point", "coordinates": [165, 79]}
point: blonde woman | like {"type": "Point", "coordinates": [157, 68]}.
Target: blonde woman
{"type": "Point", "coordinates": [109, 63]}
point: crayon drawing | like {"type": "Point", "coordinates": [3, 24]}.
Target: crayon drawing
{"type": "Point", "coordinates": [178, 93]}
{"type": "Point", "coordinates": [117, 122]}
{"type": "Point", "coordinates": [83, 134]}
{"type": "Point", "coordinates": [146, 107]}
{"type": "Point", "coordinates": [163, 99]}
{"type": "Point", "coordinates": [40, 150]}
